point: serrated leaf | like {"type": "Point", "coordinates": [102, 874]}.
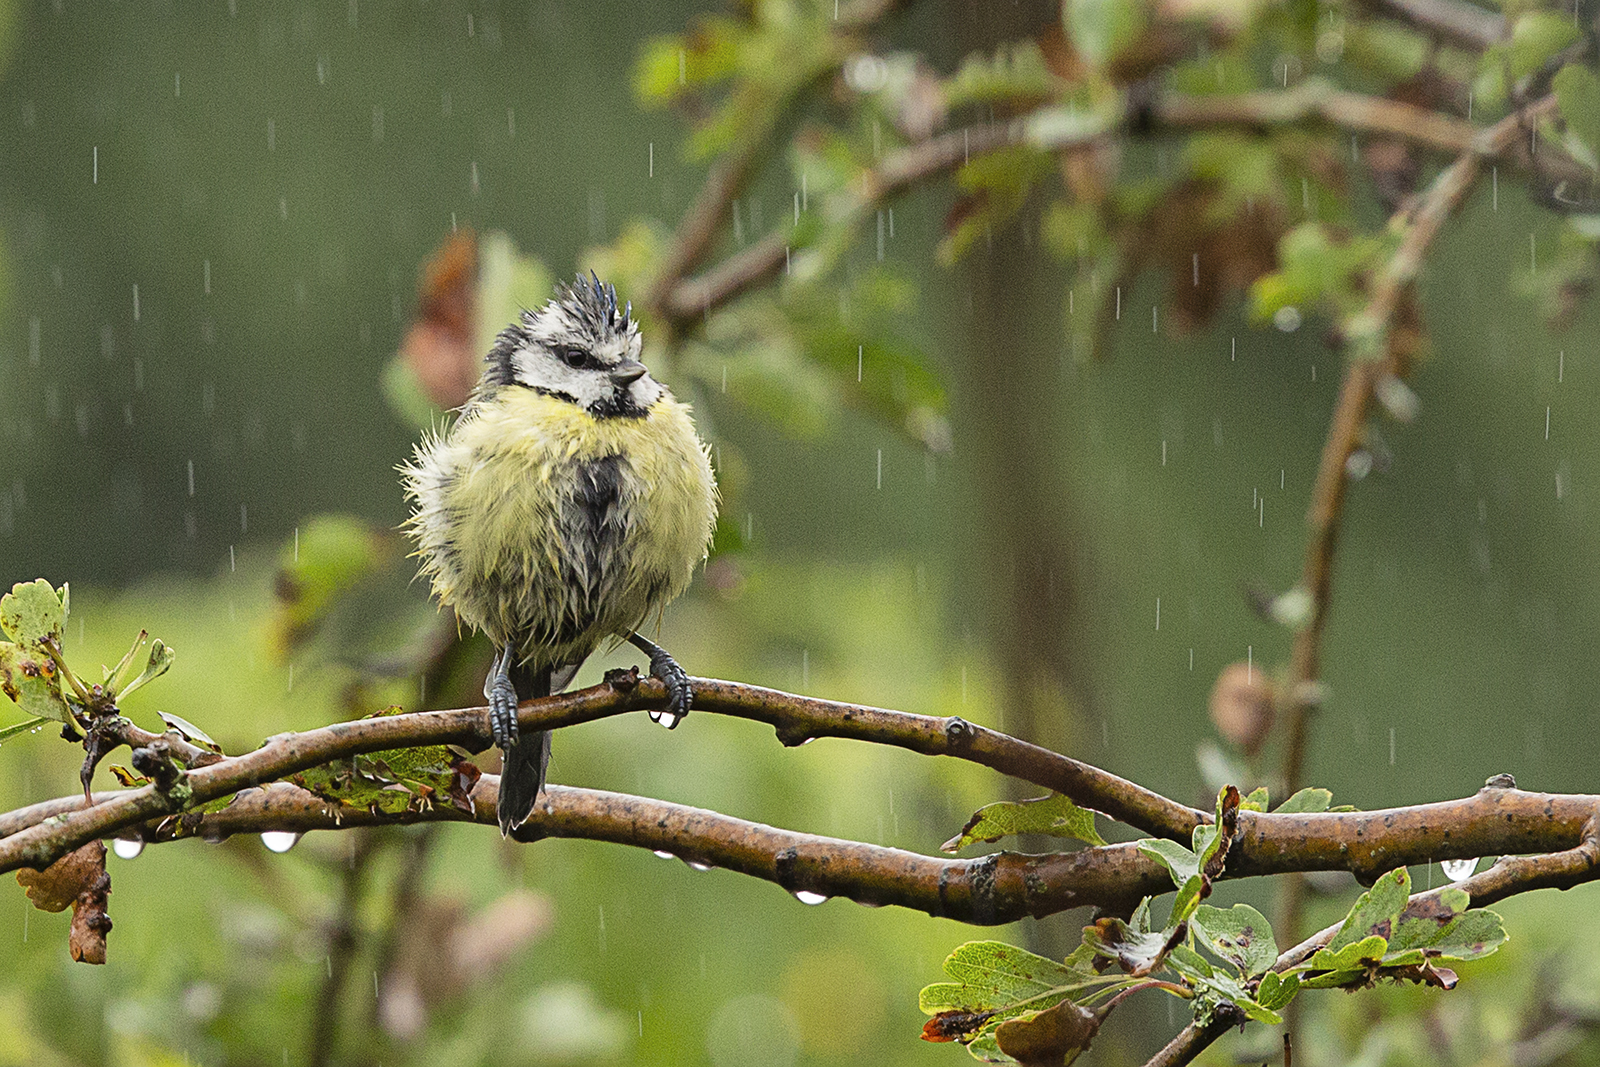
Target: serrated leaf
{"type": "Point", "coordinates": [1055, 815]}
{"type": "Point", "coordinates": [1180, 862]}
{"type": "Point", "coordinates": [33, 612]}
{"type": "Point", "coordinates": [1016, 72]}
{"type": "Point", "coordinates": [995, 982]}
{"type": "Point", "coordinates": [29, 677]}
{"type": "Point", "coordinates": [1241, 935]}
{"type": "Point", "coordinates": [1375, 912]}
{"type": "Point", "coordinates": [1354, 956]}
{"type": "Point", "coordinates": [189, 731]}
{"type": "Point", "coordinates": [1306, 801]}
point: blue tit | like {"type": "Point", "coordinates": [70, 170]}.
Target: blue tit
{"type": "Point", "coordinates": [569, 501]}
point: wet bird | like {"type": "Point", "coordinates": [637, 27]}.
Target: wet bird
{"type": "Point", "coordinates": [569, 501]}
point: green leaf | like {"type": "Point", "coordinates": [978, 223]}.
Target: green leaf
{"type": "Point", "coordinates": [1442, 926]}
{"type": "Point", "coordinates": [1180, 862]}
{"type": "Point", "coordinates": [327, 556]}
{"type": "Point", "coordinates": [995, 982]}
{"type": "Point", "coordinates": [1016, 72]}
{"type": "Point", "coordinates": [1241, 935]}
{"type": "Point", "coordinates": [1578, 92]}
{"type": "Point", "coordinates": [1055, 1036]}
{"type": "Point", "coordinates": [1136, 952]}
{"type": "Point", "coordinates": [1375, 912]}
{"type": "Point", "coordinates": [1099, 29]}
{"type": "Point", "coordinates": [667, 66]}
{"type": "Point", "coordinates": [161, 657]}
{"type": "Point", "coordinates": [1256, 801]}
{"type": "Point", "coordinates": [1536, 37]}
{"type": "Point", "coordinates": [1225, 987]}
{"type": "Point", "coordinates": [1186, 961]}
{"type": "Point", "coordinates": [1307, 801]}
{"type": "Point", "coordinates": [189, 731]}
{"type": "Point", "coordinates": [29, 677]}
{"type": "Point", "coordinates": [33, 612]}
{"type": "Point", "coordinates": [1355, 956]}
{"type": "Point", "coordinates": [25, 726]}
{"type": "Point", "coordinates": [1183, 904]}
{"type": "Point", "coordinates": [1054, 815]}
{"type": "Point", "coordinates": [1276, 991]}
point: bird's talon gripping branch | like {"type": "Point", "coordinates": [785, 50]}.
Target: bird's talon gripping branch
{"type": "Point", "coordinates": [502, 697]}
{"type": "Point", "coordinates": [680, 694]}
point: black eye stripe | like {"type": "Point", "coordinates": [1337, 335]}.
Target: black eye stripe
{"type": "Point", "coordinates": [571, 356]}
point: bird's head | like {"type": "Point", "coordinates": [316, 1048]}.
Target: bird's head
{"type": "Point", "coordinates": [581, 348]}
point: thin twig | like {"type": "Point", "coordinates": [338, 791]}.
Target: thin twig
{"type": "Point", "coordinates": [1312, 102]}
{"type": "Point", "coordinates": [1374, 357]}
{"type": "Point", "coordinates": [343, 940]}
{"type": "Point", "coordinates": [1449, 21]}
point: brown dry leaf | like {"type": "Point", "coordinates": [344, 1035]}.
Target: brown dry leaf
{"type": "Point", "coordinates": [492, 937]}
{"type": "Point", "coordinates": [1051, 1038]}
{"type": "Point", "coordinates": [79, 879]}
{"type": "Point", "coordinates": [1243, 706]}
{"type": "Point", "coordinates": [440, 347]}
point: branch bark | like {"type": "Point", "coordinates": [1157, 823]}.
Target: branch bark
{"type": "Point", "coordinates": [991, 889]}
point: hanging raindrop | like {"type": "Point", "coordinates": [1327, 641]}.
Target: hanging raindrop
{"type": "Point", "coordinates": [1456, 870]}
{"type": "Point", "coordinates": [127, 848]}
{"type": "Point", "coordinates": [279, 840]}
{"type": "Point", "coordinates": [806, 896]}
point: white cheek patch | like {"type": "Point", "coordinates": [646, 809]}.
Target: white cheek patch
{"type": "Point", "coordinates": [538, 371]}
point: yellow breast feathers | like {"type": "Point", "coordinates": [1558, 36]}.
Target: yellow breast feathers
{"type": "Point", "coordinates": [579, 526]}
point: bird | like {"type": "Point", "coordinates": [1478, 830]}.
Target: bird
{"type": "Point", "coordinates": [569, 500]}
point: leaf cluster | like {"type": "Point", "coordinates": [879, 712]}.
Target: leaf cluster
{"type": "Point", "coordinates": [1010, 1005]}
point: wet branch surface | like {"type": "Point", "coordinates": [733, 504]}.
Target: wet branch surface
{"type": "Point", "coordinates": [987, 890]}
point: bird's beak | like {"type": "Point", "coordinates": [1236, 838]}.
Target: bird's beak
{"type": "Point", "coordinates": [627, 372]}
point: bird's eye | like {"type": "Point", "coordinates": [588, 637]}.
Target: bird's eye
{"type": "Point", "coordinates": [572, 357]}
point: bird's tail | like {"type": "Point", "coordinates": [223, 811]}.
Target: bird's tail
{"type": "Point", "coordinates": [524, 764]}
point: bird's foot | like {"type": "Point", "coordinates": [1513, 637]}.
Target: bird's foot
{"type": "Point", "coordinates": [680, 695]}
{"type": "Point", "coordinates": [502, 697]}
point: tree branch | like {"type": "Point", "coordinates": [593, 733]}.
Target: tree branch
{"type": "Point", "coordinates": [1313, 101]}
{"type": "Point", "coordinates": [990, 889]}
{"type": "Point", "coordinates": [1448, 21]}
{"type": "Point", "coordinates": [1374, 357]}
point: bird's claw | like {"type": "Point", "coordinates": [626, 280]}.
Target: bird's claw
{"type": "Point", "coordinates": [502, 697]}
{"type": "Point", "coordinates": [680, 695]}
